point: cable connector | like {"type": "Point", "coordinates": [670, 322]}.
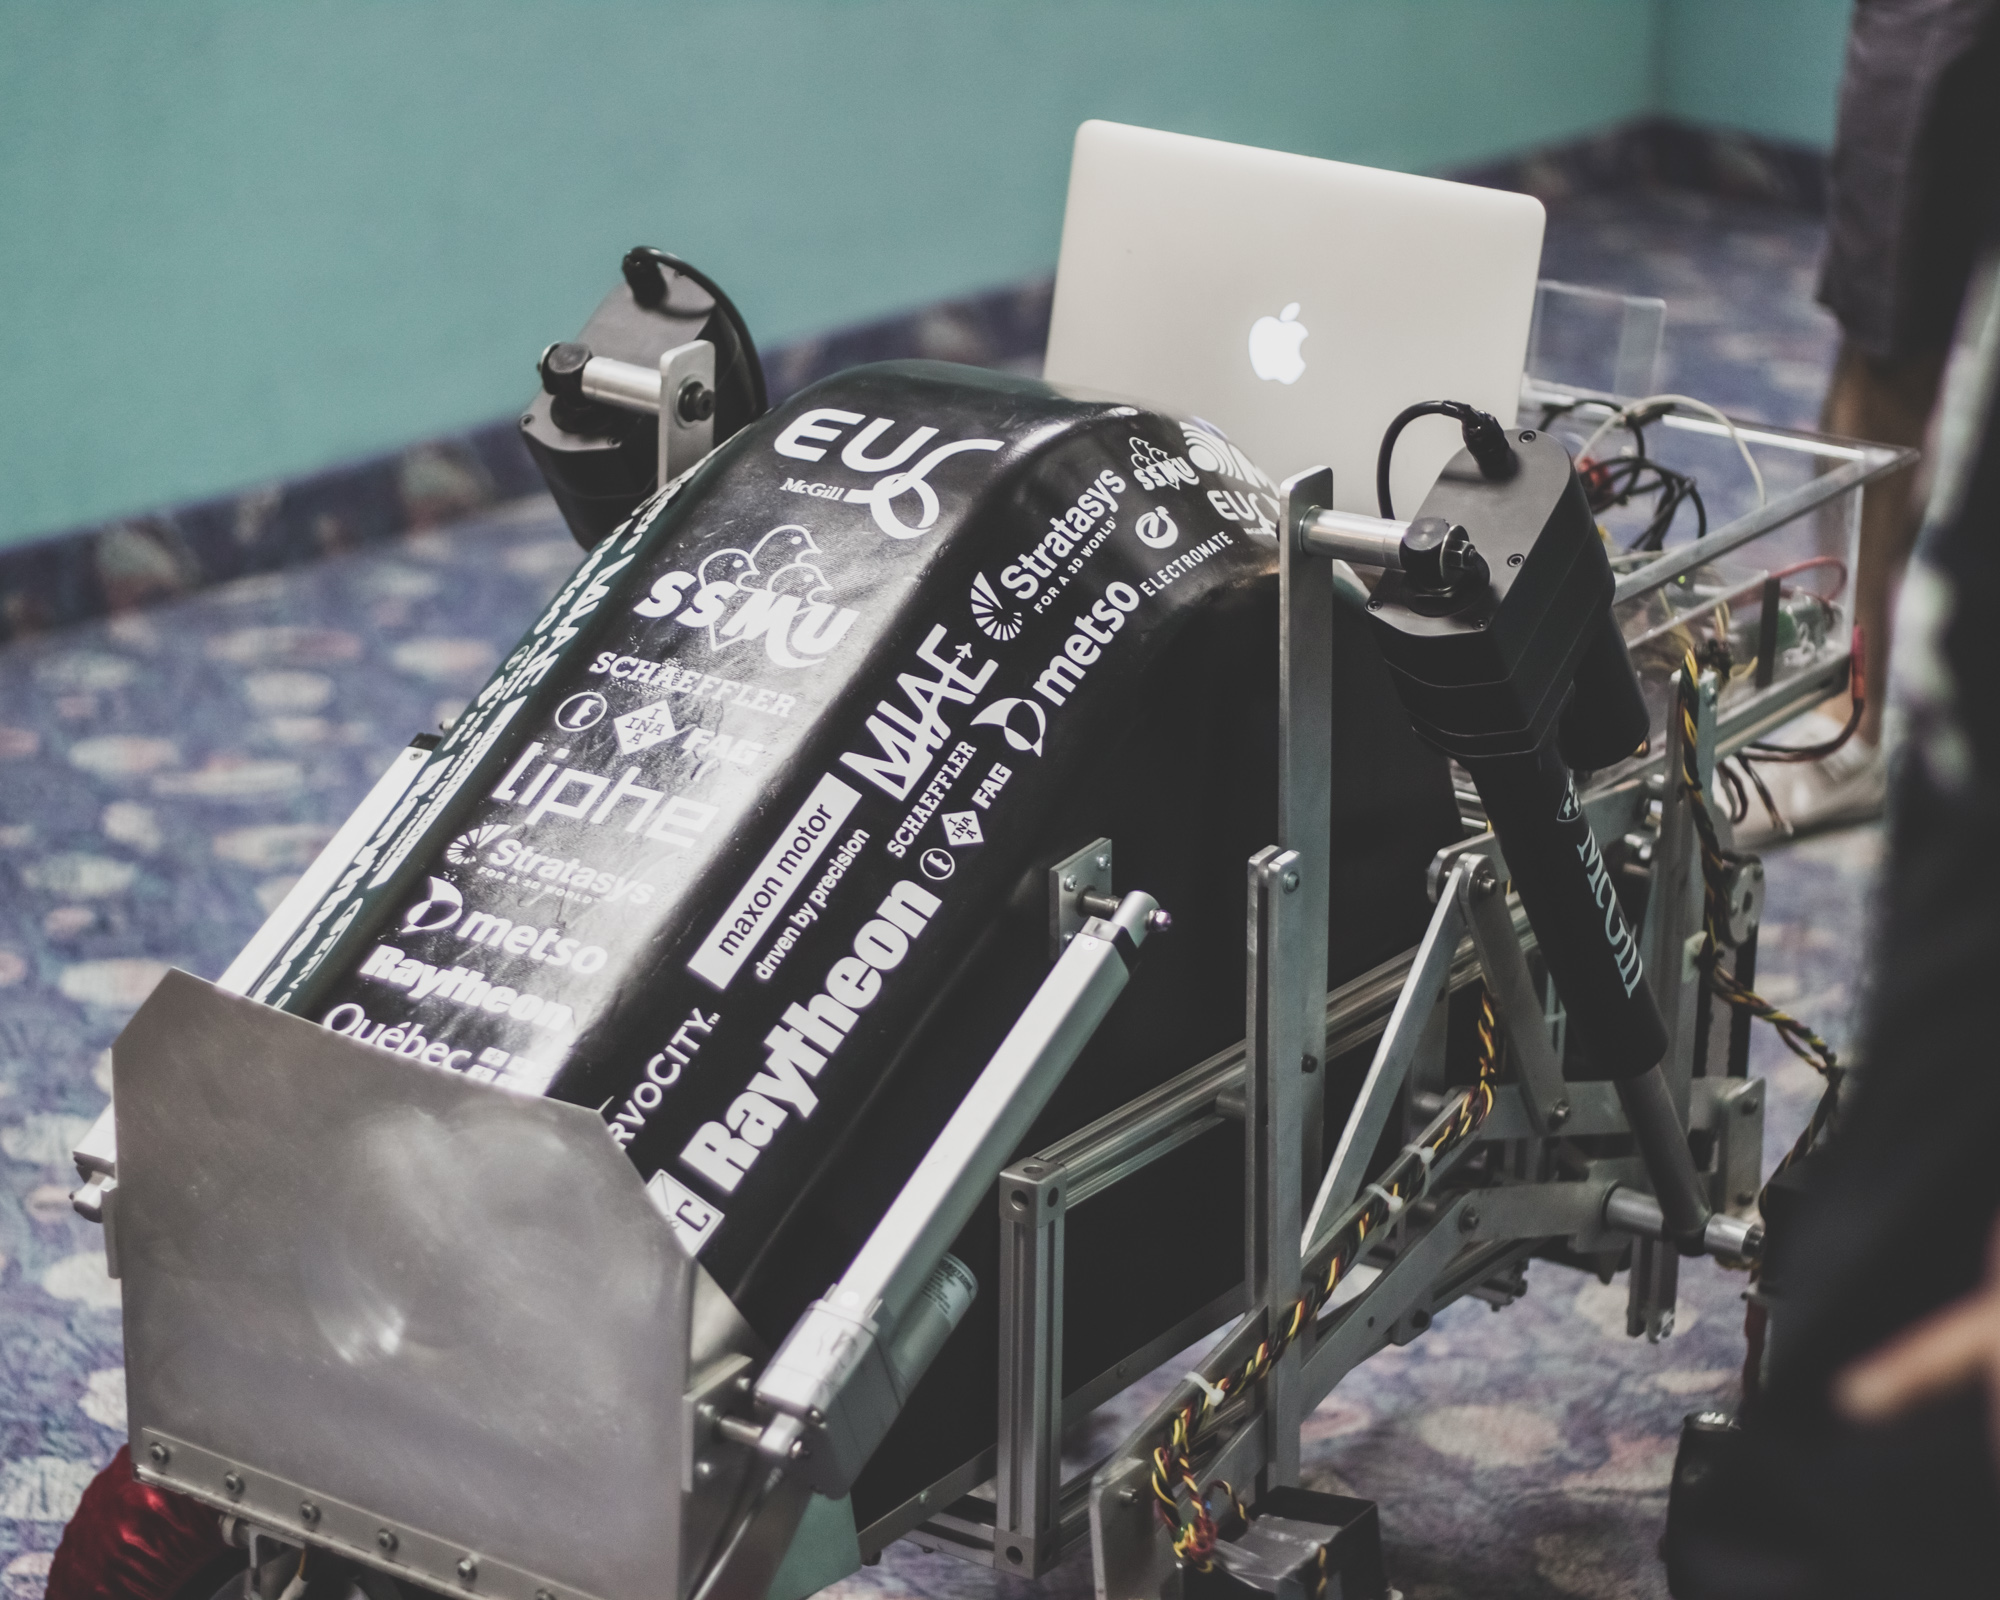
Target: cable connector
{"type": "Point", "coordinates": [1482, 432]}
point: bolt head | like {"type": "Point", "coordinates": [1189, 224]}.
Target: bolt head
{"type": "Point", "coordinates": [1747, 1106]}
{"type": "Point", "coordinates": [1069, 881]}
{"type": "Point", "coordinates": [1558, 1114]}
{"type": "Point", "coordinates": [233, 1482]}
{"type": "Point", "coordinates": [1516, 559]}
{"type": "Point", "coordinates": [695, 402]}
{"type": "Point", "coordinates": [1290, 880]}
{"type": "Point", "coordinates": [1103, 862]}
{"type": "Point", "coordinates": [385, 1541]}
{"type": "Point", "coordinates": [1468, 1220]}
{"type": "Point", "coordinates": [1309, 1063]}
{"type": "Point", "coordinates": [468, 1569]}
{"type": "Point", "coordinates": [308, 1512]}
{"type": "Point", "coordinates": [160, 1453]}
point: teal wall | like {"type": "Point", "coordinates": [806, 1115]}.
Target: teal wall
{"type": "Point", "coordinates": [1769, 67]}
{"type": "Point", "coordinates": [242, 240]}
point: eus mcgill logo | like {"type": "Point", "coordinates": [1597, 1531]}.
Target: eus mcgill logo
{"type": "Point", "coordinates": [773, 591]}
{"type": "Point", "coordinates": [811, 432]}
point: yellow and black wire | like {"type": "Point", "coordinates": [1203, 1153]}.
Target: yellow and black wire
{"type": "Point", "coordinates": [1800, 1039]}
{"type": "Point", "coordinates": [1194, 1525]}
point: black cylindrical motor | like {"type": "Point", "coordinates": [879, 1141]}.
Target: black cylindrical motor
{"type": "Point", "coordinates": [1512, 662]}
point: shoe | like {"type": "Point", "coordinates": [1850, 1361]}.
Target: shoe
{"type": "Point", "coordinates": [1849, 786]}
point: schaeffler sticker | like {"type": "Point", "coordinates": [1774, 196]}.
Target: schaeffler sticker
{"type": "Point", "coordinates": [761, 901]}
{"type": "Point", "coordinates": [773, 592]}
{"type": "Point", "coordinates": [809, 434]}
{"type": "Point", "coordinates": [668, 678]}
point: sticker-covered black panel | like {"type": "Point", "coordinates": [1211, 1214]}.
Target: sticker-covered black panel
{"type": "Point", "coordinates": [704, 850]}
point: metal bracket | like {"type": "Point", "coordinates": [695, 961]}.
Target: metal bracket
{"type": "Point", "coordinates": [1425, 988]}
{"type": "Point", "coordinates": [1079, 886]}
{"type": "Point", "coordinates": [1028, 1536]}
{"type": "Point", "coordinates": [687, 407]}
{"type": "Point", "coordinates": [1522, 1015]}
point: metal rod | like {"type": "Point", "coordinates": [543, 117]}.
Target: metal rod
{"type": "Point", "coordinates": [837, 1376]}
{"type": "Point", "coordinates": [1729, 1238]}
{"type": "Point", "coordinates": [1428, 984]}
{"type": "Point", "coordinates": [1351, 537]}
{"type": "Point", "coordinates": [622, 383]}
{"type": "Point", "coordinates": [1662, 1141]}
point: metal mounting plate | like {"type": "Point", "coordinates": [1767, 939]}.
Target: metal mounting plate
{"type": "Point", "coordinates": [1088, 871]}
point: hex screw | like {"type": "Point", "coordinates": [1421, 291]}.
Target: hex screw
{"type": "Point", "coordinates": [1484, 880]}
{"type": "Point", "coordinates": [1516, 559]}
{"type": "Point", "coordinates": [1309, 1063]}
{"type": "Point", "coordinates": [1103, 862]}
{"type": "Point", "coordinates": [308, 1513]}
{"type": "Point", "coordinates": [160, 1453]}
{"type": "Point", "coordinates": [385, 1541]}
{"type": "Point", "coordinates": [1290, 880]}
{"type": "Point", "coordinates": [1747, 1105]}
{"type": "Point", "coordinates": [1558, 1114]}
{"type": "Point", "coordinates": [1069, 882]}
{"type": "Point", "coordinates": [233, 1482]}
{"type": "Point", "coordinates": [1528, 437]}
{"type": "Point", "coordinates": [1374, 605]}
{"type": "Point", "coordinates": [695, 402]}
{"type": "Point", "coordinates": [468, 1569]}
{"type": "Point", "coordinates": [1468, 1220]}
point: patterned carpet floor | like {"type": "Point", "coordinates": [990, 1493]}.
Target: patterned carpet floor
{"type": "Point", "coordinates": [164, 774]}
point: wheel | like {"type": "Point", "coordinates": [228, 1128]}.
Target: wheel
{"type": "Point", "coordinates": [130, 1541]}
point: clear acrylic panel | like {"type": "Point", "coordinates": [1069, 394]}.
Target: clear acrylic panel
{"type": "Point", "coordinates": [1595, 340]}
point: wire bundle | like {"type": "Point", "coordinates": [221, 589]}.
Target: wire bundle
{"type": "Point", "coordinates": [1800, 1039]}
{"type": "Point", "coordinates": [1196, 1529]}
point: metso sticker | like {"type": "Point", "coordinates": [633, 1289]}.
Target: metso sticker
{"type": "Point", "coordinates": [768, 890]}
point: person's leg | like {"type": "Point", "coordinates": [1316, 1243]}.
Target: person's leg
{"type": "Point", "coordinates": [1887, 401]}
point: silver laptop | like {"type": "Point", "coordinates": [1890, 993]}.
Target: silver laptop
{"type": "Point", "coordinates": [1296, 303]}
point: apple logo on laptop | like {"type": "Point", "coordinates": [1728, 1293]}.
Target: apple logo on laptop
{"type": "Point", "coordinates": [1274, 346]}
